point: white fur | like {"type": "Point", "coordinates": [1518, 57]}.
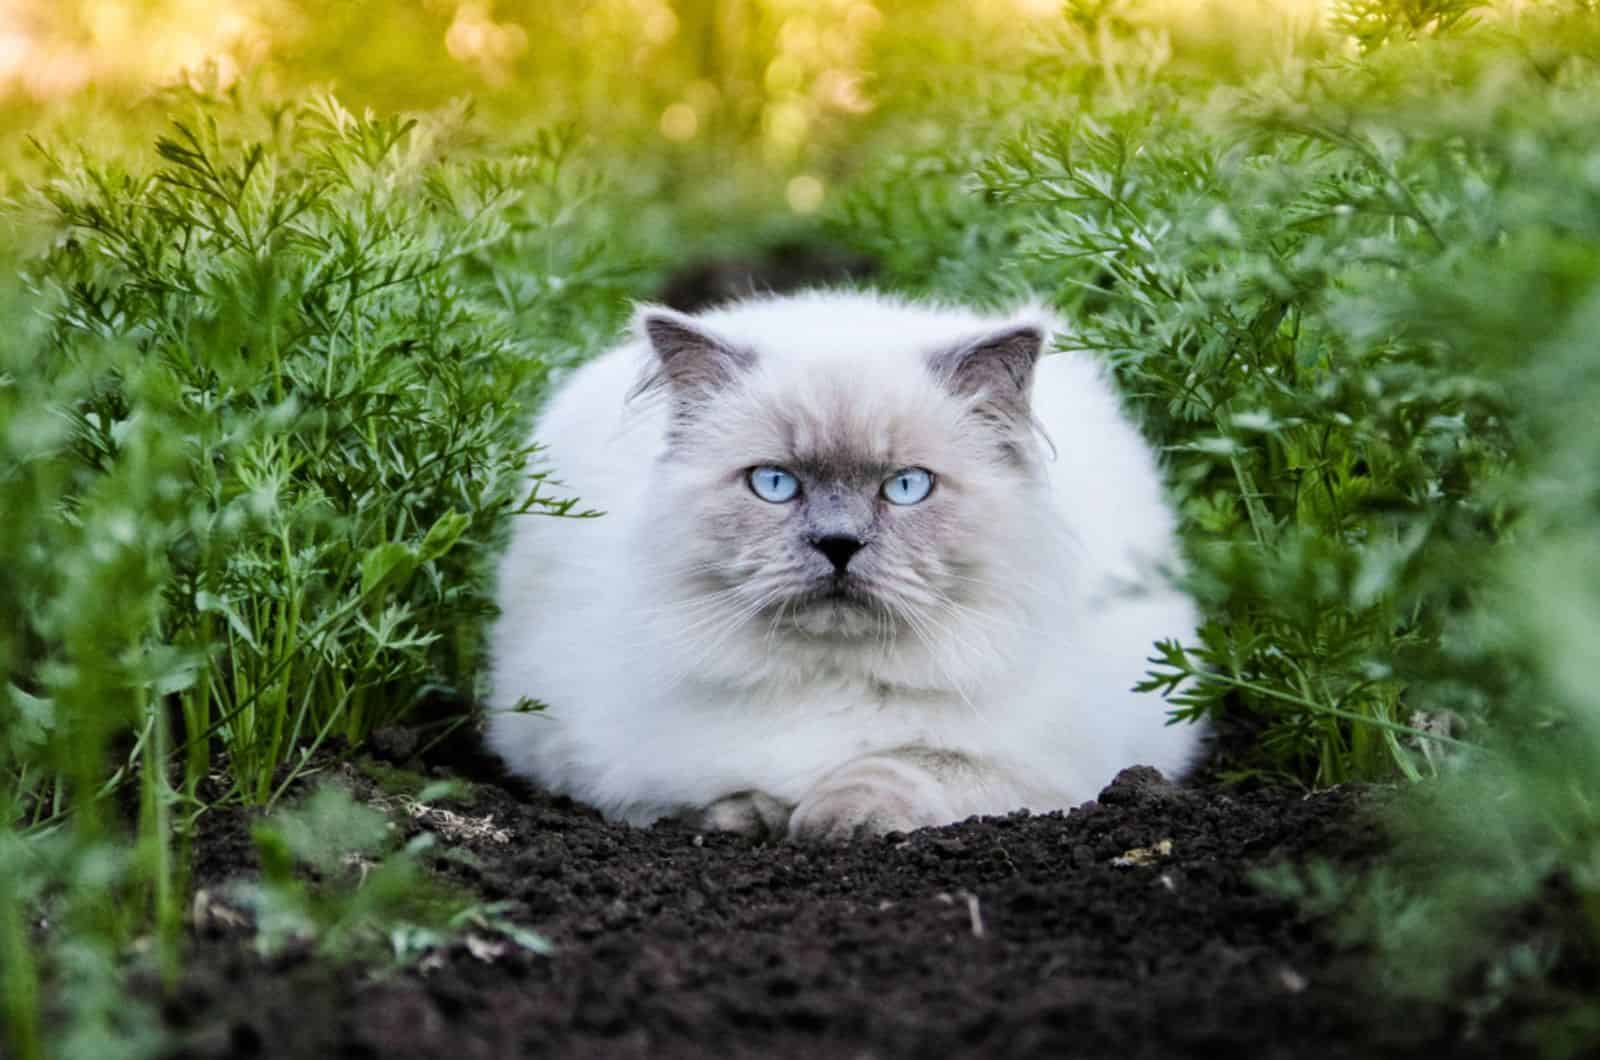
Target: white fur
{"type": "Point", "coordinates": [656, 708]}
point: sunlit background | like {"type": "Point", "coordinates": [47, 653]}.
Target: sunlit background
{"type": "Point", "coordinates": [52, 49]}
{"type": "Point", "coordinates": [793, 63]}
{"type": "Point", "coordinates": [779, 82]}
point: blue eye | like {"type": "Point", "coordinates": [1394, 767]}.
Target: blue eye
{"type": "Point", "coordinates": [909, 485]}
{"type": "Point", "coordinates": [773, 484]}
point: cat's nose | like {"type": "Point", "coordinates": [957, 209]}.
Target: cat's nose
{"type": "Point", "coordinates": [838, 548]}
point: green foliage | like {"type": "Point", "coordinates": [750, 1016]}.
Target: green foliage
{"type": "Point", "coordinates": [340, 418]}
{"type": "Point", "coordinates": [60, 914]}
{"type": "Point", "coordinates": [263, 427]}
{"type": "Point", "coordinates": [1373, 23]}
{"type": "Point", "coordinates": [1321, 470]}
{"type": "Point", "coordinates": [360, 887]}
{"type": "Point", "coordinates": [82, 572]}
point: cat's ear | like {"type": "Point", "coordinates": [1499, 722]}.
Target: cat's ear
{"type": "Point", "coordinates": [690, 359]}
{"type": "Point", "coordinates": [996, 368]}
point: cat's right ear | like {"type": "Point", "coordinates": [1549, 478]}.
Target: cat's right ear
{"type": "Point", "coordinates": [690, 360]}
{"type": "Point", "coordinates": [996, 369]}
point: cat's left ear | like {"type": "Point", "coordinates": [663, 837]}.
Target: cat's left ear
{"type": "Point", "coordinates": [691, 359]}
{"type": "Point", "coordinates": [996, 368]}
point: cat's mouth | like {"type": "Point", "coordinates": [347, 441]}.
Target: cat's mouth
{"type": "Point", "coordinates": [838, 590]}
{"type": "Point", "coordinates": [838, 607]}
{"type": "Point", "coordinates": [845, 591]}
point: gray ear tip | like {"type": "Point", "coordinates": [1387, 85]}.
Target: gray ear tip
{"type": "Point", "coordinates": [1040, 319]}
{"type": "Point", "coordinates": [1040, 325]}
{"type": "Point", "coordinates": [648, 317]}
{"type": "Point", "coordinates": [671, 333]}
{"type": "Point", "coordinates": [1027, 337]}
{"type": "Point", "coordinates": [689, 354]}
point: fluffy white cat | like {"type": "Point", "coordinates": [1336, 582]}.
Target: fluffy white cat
{"type": "Point", "coordinates": [866, 565]}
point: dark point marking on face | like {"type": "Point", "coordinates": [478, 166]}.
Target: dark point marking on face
{"type": "Point", "coordinates": [836, 509]}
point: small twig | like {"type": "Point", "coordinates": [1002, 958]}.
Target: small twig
{"type": "Point", "coordinates": [974, 913]}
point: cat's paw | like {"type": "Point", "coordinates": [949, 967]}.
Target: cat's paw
{"type": "Point", "coordinates": [751, 813]}
{"type": "Point", "coordinates": [868, 797]}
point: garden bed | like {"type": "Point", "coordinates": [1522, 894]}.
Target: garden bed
{"type": "Point", "coordinates": [1130, 926]}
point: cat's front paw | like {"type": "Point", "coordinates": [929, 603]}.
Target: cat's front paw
{"type": "Point", "coordinates": [868, 797]}
{"type": "Point", "coordinates": [750, 813]}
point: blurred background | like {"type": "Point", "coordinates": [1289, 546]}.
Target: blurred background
{"type": "Point", "coordinates": [783, 84]}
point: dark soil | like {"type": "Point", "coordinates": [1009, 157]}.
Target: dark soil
{"type": "Point", "coordinates": [1018, 936]}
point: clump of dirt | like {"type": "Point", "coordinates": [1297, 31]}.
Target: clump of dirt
{"type": "Point", "coordinates": [1128, 927]}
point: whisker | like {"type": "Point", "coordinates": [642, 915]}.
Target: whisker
{"type": "Point", "coordinates": [720, 632]}
{"type": "Point", "coordinates": [918, 626]}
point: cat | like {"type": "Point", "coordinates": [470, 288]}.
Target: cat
{"type": "Point", "coordinates": [865, 565]}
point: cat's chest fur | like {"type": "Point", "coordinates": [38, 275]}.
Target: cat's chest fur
{"type": "Point", "coordinates": [839, 567]}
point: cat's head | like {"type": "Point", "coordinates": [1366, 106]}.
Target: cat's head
{"type": "Point", "coordinates": [849, 473]}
